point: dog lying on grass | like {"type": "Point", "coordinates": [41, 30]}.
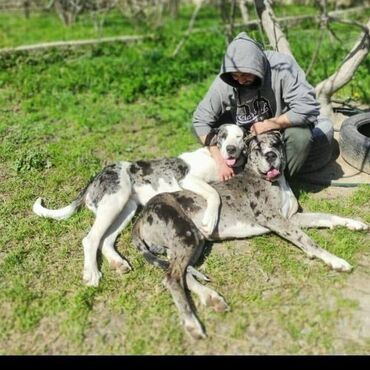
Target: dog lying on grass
{"type": "Point", "coordinates": [254, 202]}
{"type": "Point", "coordinates": [116, 192]}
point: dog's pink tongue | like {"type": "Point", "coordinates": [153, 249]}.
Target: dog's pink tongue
{"type": "Point", "coordinates": [272, 174]}
{"type": "Point", "coordinates": [230, 162]}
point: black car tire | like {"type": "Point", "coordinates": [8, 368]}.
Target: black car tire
{"type": "Point", "coordinates": [354, 141]}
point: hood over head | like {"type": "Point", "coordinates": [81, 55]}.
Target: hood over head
{"type": "Point", "coordinates": [244, 55]}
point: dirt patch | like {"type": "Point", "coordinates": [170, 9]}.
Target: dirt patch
{"type": "Point", "coordinates": [106, 329]}
{"type": "Point", "coordinates": [354, 331]}
{"type": "Point", "coordinates": [46, 339]}
{"type": "Point", "coordinates": [334, 192]}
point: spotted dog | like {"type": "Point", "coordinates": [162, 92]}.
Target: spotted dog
{"type": "Point", "coordinates": [255, 202]}
{"type": "Point", "coordinates": [116, 192]}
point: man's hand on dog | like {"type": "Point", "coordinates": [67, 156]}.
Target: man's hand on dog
{"type": "Point", "coordinates": [224, 171]}
{"type": "Point", "coordinates": [264, 126]}
{"type": "Point", "coordinates": [275, 123]}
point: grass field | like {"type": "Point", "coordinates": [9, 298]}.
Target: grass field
{"type": "Point", "coordinates": [64, 115]}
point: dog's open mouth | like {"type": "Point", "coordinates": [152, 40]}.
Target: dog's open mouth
{"type": "Point", "coordinates": [230, 161]}
{"type": "Point", "coordinates": [272, 174]}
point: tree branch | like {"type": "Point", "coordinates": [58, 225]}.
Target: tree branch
{"type": "Point", "coordinates": [326, 88]}
{"type": "Point", "coordinates": [271, 27]}
{"type": "Point", "coordinates": [190, 28]}
{"type": "Point", "coordinates": [72, 43]}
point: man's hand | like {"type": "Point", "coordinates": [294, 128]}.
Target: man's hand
{"type": "Point", "coordinates": [224, 171]}
{"type": "Point", "coordinates": [275, 123]}
{"type": "Point", "coordinates": [264, 126]}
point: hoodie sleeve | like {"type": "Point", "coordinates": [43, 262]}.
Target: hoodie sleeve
{"type": "Point", "coordinates": [209, 110]}
{"type": "Point", "coordinates": [298, 95]}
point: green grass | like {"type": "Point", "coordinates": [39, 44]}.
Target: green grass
{"type": "Point", "coordinates": [64, 115]}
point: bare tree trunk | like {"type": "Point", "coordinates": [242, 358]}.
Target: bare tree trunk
{"type": "Point", "coordinates": [27, 8]}
{"type": "Point", "coordinates": [326, 88]}
{"type": "Point", "coordinates": [174, 6]}
{"type": "Point", "coordinates": [228, 17]}
{"type": "Point", "coordinates": [244, 10]}
{"type": "Point", "coordinates": [190, 27]}
{"type": "Point", "coordinates": [273, 31]}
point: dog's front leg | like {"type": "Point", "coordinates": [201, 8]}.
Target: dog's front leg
{"type": "Point", "coordinates": [294, 234]}
{"type": "Point", "coordinates": [326, 220]}
{"type": "Point", "coordinates": [206, 191]}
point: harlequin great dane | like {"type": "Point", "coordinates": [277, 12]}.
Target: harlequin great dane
{"type": "Point", "coordinates": [116, 192]}
{"type": "Point", "coordinates": [255, 202]}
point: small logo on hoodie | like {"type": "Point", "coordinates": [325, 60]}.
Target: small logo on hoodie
{"type": "Point", "coordinates": [259, 110]}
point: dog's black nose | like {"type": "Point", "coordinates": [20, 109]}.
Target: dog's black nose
{"type": "Point", "coordinates": [231, 149]}
{"type": "Point", "coordinates": [270, 156]}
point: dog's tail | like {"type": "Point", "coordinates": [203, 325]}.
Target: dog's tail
{"type": "Point", "coordinates": [60, 213]}
{"type": "Point", "coordinates": [159, 262]}
{"type": "Point", "coordinates": [145, 251]}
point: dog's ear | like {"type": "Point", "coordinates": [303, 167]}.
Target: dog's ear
{"type": "Point", "coordinates": [247, 139]}
{"type": "Point", "coordinates": [211, 138]}
{"type": "Point", "coordinates": [278, 134]}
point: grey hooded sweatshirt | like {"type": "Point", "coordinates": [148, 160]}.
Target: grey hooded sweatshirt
{"type": "Point", "coordinates": [280, 87]}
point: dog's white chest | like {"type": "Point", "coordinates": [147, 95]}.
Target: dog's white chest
{"type": "Point", "coordinates": [289, 204]}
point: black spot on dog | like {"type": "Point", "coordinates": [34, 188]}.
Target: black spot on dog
{"type": "Point", "coordinates": [257, 193]}
{"type": "Point", "coordinates": [105, 182]}
{"type": "Point", "coordinates": [150, 219]}
{"type": "Point", "coordinates": [257, 213]}
{"type": "Point", "coordinates": [165, 212]}
{"type": "Point", "coordinates": [144, 166]}
{"type": "Point", "coordinates": [253, 205]}
{"type": "Point", "coordinates": [181, 224]}
{"type": "Point", "coordinates": [183, 169]}
{"type": "Point", "coordinates": [188, 203]}
{"type": "Point", "coordinates": [133, 168]}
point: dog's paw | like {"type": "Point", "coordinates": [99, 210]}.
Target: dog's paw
{"type": "Point", "coordinates": [210, 298]}
{"type": "Point", "coordinates": [339, 264]}
{"type": "Point", "coordinates": [121, 266]}
{"type": "Point", "coordinates": [209, 221]}
{"type": "Point", "coordinates": [215, 301]}
{"type": "Point", "coordinates": [194, 328]}
{"type": "Point", "coordinates": [91, 277]}
{"type": "Point", "coordinates": [355, 225]}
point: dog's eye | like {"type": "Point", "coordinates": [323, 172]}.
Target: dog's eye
{"type": "Point", "coordinates": [238, 136]}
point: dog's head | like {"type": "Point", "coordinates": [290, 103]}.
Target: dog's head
{"type": "Point", "coordinates": [265, 154]}
{"type": "Point", "coordinates": [229, 138]}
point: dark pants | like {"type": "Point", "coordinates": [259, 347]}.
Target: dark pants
{"type": "Point", "coordinates": [298, 141]}
{"type": "Point", "coordinates": [308, 151]}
